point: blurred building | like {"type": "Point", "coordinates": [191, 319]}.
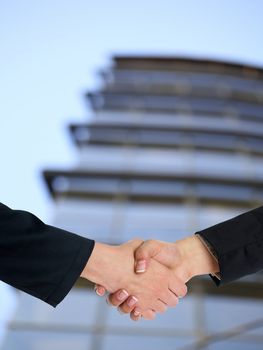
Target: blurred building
{"type": "Point", "coordinates": [174, 145]}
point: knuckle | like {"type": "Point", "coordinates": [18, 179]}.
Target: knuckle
{"type": "Point", "coordinates": [137, 240]}
{"type": "Point", "coordinates": [160, 307]}
{"type": "Point", "coordinates": [163, 309]}
{"type": "Point", "coordinates": [152, 316]}
{"type": "Point", "coordinates": [150, 242]}
{"type": "Point", "coordinates": [175, 302]}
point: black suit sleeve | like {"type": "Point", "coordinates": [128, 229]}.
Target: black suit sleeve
{"type": "Point", "coordinates": [238, 245]}
{"type": "Point", "coordinates": [39, 259]}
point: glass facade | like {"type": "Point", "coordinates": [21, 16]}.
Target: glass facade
{"type": "Point", "coordinates": [174, 146]}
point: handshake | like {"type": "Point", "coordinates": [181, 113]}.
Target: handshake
{"type": "Point", "coordinates": [146, 277]}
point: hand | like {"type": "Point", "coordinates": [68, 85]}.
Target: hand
{"type": "Point", "coordinates": [167, 254]}
{"type": "Point", "coordinates": [113, 267]}
{"type": "Point", "coordinates": [187, 258]}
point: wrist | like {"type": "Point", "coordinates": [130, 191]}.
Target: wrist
{"type": "Point", "coordinates": [98, 264]}
{"type": "Point", "coordinates": [111, 266]}
{"type": "Point", "coordinates": [197, 259]}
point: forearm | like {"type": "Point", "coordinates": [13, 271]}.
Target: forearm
{"type": "Point", "coordinates": [39, 259]}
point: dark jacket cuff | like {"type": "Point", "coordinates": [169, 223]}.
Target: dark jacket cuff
{"type": "Point", "coordinates": [238, 245]}
{"type": "Point", "coordinates": [71, 276]}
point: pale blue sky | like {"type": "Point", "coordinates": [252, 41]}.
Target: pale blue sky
{"type": "Point", "coordinates": [50, 51]}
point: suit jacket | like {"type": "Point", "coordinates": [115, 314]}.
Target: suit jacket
{"type": "Point", "coordinates": [39, 259]}
{"type": "Point", "coordinates": [238, 245]}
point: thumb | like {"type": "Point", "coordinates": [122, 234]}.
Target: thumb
{"type": "Point", "coordinates": [143, 254]}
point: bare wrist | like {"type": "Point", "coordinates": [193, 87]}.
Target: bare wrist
{"type": "Point", "coordinates": [197, 259]}
{"type": "Point", "coordinates": [111, 266]}
{"type": "Point", "coordinates": [98, 263]}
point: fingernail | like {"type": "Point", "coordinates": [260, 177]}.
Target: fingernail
{"type": "Point", "coordinates": [136, 313]}
{"type": "Point", "coordinates": [141, 266]}
{"type": "Point", "coordinates": [180, 297]}
{"type": "Point", "coordinates": [123, 294]}
{"type": "Point", "coordinates": [97, 291]}
{"type": "Point", "coordinates": [132, 301]}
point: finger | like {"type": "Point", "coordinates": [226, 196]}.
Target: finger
{"type": "Point", "coordinates": [178, 287]}
{"type": "Point", "coordinates": [170, 299]}
{"type": "Point", "coordinates": [160, 306]}
{"type": "Point", "coordinates": [149, 315]}
{"type": "Point", "coordinates": [99, 290]}
{"type": "Point", "coordinates": [117, 298]}
{"type": "Point", "coordinates": [128, 305]}
{"type": "Point", "coordinates": [136, 314]}
{"type": "Point", "coordinates": [144, 253]}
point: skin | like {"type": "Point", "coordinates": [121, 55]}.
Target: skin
{"type": "Point", "coordinates": [186, 258]}
{"type": "Point", "coordinates": [113, 267]}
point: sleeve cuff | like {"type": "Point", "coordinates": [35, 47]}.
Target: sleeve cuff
{"type": "Point", "coordinates": [71, 276]}
{"type": "Point", "coordinates": [216, 276]}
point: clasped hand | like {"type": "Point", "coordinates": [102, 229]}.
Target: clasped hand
{"type": "Point", "coordinates": [143, 289]}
